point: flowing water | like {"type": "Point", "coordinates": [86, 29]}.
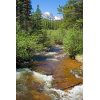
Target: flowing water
{"type": "Point", "coordinates": [56, 77]}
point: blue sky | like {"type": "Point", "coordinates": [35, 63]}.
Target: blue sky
{"type": "Point", "coordinates": [48, 5]}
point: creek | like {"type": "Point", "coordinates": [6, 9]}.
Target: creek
{"type": "Point", "coordinates": [59, 77]}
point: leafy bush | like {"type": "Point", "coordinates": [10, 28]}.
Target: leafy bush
{"type": "Point", "coordinates": [56, 36]}
{"type": "Point", "coordinates": [26, 44]}
{"type": "Point", "coordinates": [73, 42]}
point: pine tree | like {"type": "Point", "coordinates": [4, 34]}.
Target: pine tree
{"type": "Point", "coordinates": [23, 12]}
{"type": "Point", "coordinates": [19, 10]}
{"type": "Point", "coordinates": [72, 13]}
{"type": "Point", "coordinates": [37, 20]}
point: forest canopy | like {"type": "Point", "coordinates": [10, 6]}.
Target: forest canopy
{"type": "Point", "coordinates": [34, 33]}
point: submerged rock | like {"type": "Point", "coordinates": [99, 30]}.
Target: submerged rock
{"type": "Point", "coordinates": [79, 58]}
{"type": "Point", "coordinates": [43, 78]}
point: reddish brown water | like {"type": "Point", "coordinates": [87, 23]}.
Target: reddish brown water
{"type": "Point", "coordinates": [63, 78]}
{"type": "Point", "coordinates": [61, 72]}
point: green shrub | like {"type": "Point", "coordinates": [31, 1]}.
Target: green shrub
{"type": "Point", "coordinates": [73, 42]}
{"type": "Point", "coordinates": [56, 36]}
{"type": "Point", "coordinates": [26, 44]}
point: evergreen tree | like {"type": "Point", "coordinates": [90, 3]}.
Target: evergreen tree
{"type": "Point", "coordinates": [37, 20]}
{"type": "Point", "coordinates": [72, 13]}
{"type": "Point", "coordinates": [73, 22]}
{"type": "Point", "coordinates": [19, 10]}
{"type": "Point", "coordinates": [23, 12]}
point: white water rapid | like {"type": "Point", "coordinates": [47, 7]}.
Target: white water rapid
{"type": "Point", "coordinates": [75, 93]}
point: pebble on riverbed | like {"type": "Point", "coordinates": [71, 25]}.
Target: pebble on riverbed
{"type": "Point", "coordinates": [77, 72]}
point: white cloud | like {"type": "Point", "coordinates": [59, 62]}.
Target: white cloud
{"type": "Point", "coordinates": [50, 16]}
{"type": "Point", "coordinates": [58, 17]}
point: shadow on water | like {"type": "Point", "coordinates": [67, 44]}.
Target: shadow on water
{"type": "Point", "coordinates": [44, 62]}
{"type": "Point", "coordinates": [54, 49]}
{"type": "Point", "coordinates": [44, 57]}
{"type": "Point", "coordinates": [40, 58]}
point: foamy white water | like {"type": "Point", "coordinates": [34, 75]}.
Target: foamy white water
{"type": "Point", "coordinates": [75, 93]}
{"type": "Point", "coordinates": [18, 75]}
{"type": "Point", "coordinates": [52, 59]}
{"type": "Point", "coordinates": [47, 79]}
{"type": "Point", "coordinates": [51, 53]}
{"type": "Point", "coordinates": [59, 56]}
